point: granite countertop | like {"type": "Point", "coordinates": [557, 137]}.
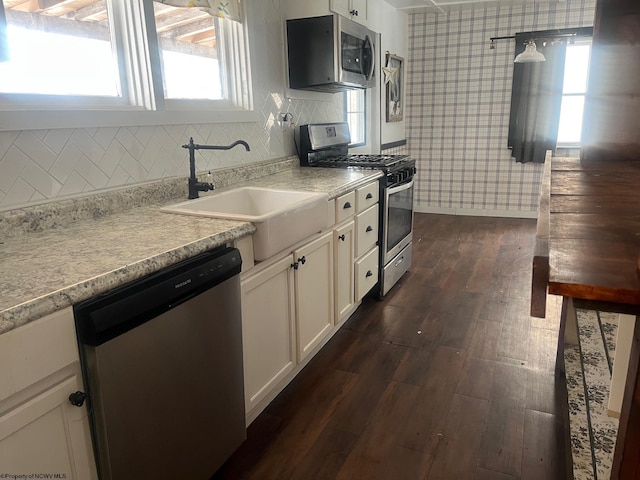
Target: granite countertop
{"type": "Point", "coordinates": [46, 271]}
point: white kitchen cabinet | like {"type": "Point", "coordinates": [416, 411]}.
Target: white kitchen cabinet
{"type": "Point", "coordinates": [268, 329]}
{"type": "Point", "coordinates": [367, 196]}
{"type": "Point", "coordinates": [314, 292]}
{"type": "Point", "coordinates": [345, 206]}
{"type": "Point", "coordinates": [366, 230]}
{"type": "Point", "coordinates": [317, 8]}
{"type": "Point", "coordinates": [366, 273]}
{"type": "Point", "coordinates": [287, 310]}
{"type": "Point", "coordinates": [354, 241]}
{"type": "Point", "coordinates": [41, 432]}
{"type": "Point", "coordinates": [293, 303]}
{"type": "Point", "coordinates": [344, 251]}
{"type": "Point", "coordinates": [356, 10]}
{"type": "Point", "coordinates": [367, 224]}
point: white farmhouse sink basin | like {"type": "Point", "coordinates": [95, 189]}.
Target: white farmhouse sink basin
{"type": "Point", "coordinates": [281, 217]}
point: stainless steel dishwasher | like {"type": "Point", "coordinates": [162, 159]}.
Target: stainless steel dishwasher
{"type": "Point", "coordinates": [162, 360]}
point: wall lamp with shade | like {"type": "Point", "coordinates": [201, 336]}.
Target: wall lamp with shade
{"type": "Point", "coordinates": [530, 54]}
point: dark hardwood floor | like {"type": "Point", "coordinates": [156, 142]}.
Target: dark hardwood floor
{"type": "Point", "coordinates": [447, 378]}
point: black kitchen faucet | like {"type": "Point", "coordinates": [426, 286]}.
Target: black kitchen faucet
{"type": "Point", "coordinates": [194, 185]}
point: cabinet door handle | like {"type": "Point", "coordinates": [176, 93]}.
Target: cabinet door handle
{"type": "Point", "coordinates": [347, 205]}
{"type": "Point", "coordinates": [303, 260]}
{"type": "Point", "coordinates": [369, 229]}
{"type": "Point", "coordinates": [77, 398]}
{"type": "Point", "coordinates": [295, 265]}
{"type": "Point", "coordinates": [354, 13]}
{"type": "Point", "coordinates": [342, 237]}
{"type": "Point", "coordinates": [369, 274]}
{"type": "Point", "coordinates": [369, 196]}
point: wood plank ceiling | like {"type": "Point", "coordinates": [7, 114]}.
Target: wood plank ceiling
{"type": "Point", "coordinates": [175, 26]}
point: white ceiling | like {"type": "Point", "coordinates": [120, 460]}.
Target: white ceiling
{"type": "Point", "coordinates": [421, 6]}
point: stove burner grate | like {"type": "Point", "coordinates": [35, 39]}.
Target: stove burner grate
{"type": "Point", "coordinates": [362, 160]}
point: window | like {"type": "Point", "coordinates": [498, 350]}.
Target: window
{"type": "Point", "coordinates": [355, 115]}
{"type": "Point", "coordinates": [60, 50]}
{"type": "Point", "coordinates": [189, 47]}
{"type": "Point", "coordinates": [152, 62]}
{"type": "Point", "coordinates": [574, 89]}
{"type": "Point", "coordinates": [542, 92]}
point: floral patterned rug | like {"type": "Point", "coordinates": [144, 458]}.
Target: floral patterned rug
{"type": "Point", "coordinates": [588, 368]}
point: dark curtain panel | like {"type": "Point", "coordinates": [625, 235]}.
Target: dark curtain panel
{"type": "Point", "coordinates": [4, 45]}
{"type": "Point", "coordinates": [535, 101]}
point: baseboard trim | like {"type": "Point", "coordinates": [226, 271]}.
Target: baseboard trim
{"type": "Point", "coordinates": [475, 212]}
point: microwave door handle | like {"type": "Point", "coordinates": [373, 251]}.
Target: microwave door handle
{"type": "Point", "coordinates": [367, 40]}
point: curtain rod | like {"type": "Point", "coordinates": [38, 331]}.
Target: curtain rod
{"type": "Point", "coordinates": [565, 32]}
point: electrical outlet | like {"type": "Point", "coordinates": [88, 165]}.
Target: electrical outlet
{"type": "Point", "coordinates": [286, 121]}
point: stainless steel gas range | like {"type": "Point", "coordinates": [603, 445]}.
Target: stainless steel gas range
{"type": "Point", "coordinates": [326, 145]}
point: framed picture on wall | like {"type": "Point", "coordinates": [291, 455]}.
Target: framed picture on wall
{"type": "Point", "coordinates": [393, 78]}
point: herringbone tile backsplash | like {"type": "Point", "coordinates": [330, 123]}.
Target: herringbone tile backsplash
{"type": "Point", "coordinates": [41, 165]}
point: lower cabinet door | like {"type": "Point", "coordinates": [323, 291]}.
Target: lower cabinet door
{"type": "Point", "coordinates": [268, 329]}
{"type": "Point", "coordinates": [48, 435]}
{"type": "Point", "coordinates": [344, 240]}
{"type": "Point", "coordinates": [314, 293]}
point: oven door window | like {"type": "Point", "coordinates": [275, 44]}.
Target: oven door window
{"type": "Point", "coordinates": [399, 214]}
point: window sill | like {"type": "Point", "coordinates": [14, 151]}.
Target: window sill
{"type": "Point", "coordinates": [48, 119]}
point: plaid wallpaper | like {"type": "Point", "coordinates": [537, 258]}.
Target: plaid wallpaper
{"type": "Point", "coordinates": [458, 99]}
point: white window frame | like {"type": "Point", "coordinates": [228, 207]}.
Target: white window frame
{"type": "Point", "coordinates": [142, 101]}
{"type": "Point", "coordinates": [363, 115]}
{"type": "Point", "coordinates": [578, 41]}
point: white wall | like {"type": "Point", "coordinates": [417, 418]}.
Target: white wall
{"type": "Point", "coordinates": [458, 105]}
{"type": "Point", "coordinates": [394, 36]}
{"type": "Point", "coordinates": [40, 165]}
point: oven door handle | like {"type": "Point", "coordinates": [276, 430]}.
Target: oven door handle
{"type": "Point", "coordinates": [400, 188]}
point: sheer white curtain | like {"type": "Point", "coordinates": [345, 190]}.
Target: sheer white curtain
{"type": "Point", "coordinates": [230, 9]}
{"type": "Point", "coordinates": [4, 46]}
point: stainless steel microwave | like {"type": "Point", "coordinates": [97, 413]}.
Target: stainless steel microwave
{"type": "Point", "coordinates": [330, 54]}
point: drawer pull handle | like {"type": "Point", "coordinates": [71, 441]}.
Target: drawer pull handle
{"type": "Point", "coordinates": [347, 205]}
{"type": "Point", "coordinates": [400, 260]}
{"type": "Point", "coordinates": [369, 229]}
{"type": "Point", "coordinates": [369, 274]}
{"type": "Point", "coordinates": [369, 196]}
{"type": "Point", "coordinates": [342, 237]}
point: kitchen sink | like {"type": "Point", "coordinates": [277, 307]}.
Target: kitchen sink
{"type": "Point", "coordinates": [281, 217]}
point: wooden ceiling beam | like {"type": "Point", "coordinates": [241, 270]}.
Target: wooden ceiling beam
{"type": "Point", "coordinates": [178, 19]}
{"type": "Point", "coordinates": [95, 11]}
{"type": "Point", "coordinates": [63, 26]}
{"type": "Point", "coordinates": [189, 29]}
{"type": "Point", "coordinates": [173, 45]}
{"type": "Point", "coordinates": [47, 4]}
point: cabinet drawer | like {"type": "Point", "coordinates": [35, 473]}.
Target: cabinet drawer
{"type": "Point", "coordinates": [366, 196]}
{"type": "Point", "coordinates": [366, 273]}
{"type": "Point", "coordinates": [345, 206]}
{"type": "Point", "coordinates": [36, 350]}
{"type": "Point", "coordinates": [366, 230]}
